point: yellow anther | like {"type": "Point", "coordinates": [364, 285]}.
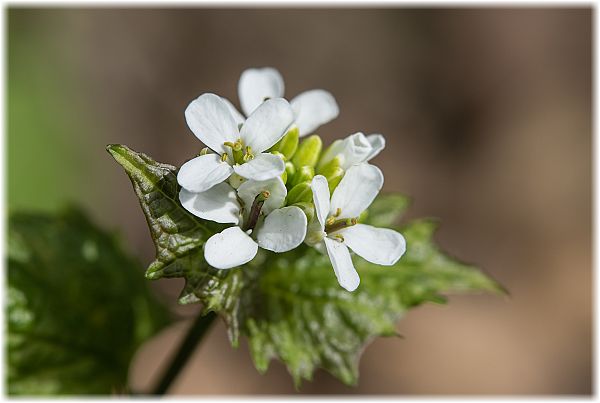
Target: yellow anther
{"type": "Point", "coordinates": [330, 220]}
{"type": "Point", "coordinates": [338, 211]}
{"type": "Point", "coordinates": [224, 157]}
{"type": "Point", "coordinates": [339, 237]}
{"type": "Point", "coordinates": [266, 194]}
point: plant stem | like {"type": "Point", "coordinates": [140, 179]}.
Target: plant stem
{"type": "Point", "coordinates": [184, 352]}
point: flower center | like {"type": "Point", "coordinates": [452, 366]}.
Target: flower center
{"type": "Point", "coordinates": [239, 153]}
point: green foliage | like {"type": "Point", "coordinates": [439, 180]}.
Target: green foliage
{"type": "Point", "coordinates": [290, 305]}
{"type": "Point", "coordinates": [76, 307]}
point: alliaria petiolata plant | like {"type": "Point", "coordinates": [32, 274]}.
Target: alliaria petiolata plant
{"type": "Point", "coordinates": [257, 220]}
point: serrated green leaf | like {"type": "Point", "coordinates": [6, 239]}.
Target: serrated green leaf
{"type": "Point", "coordinates": [178, 236]}
{"type": "Point", "coordinates": [291, 307]}
{"type": "Point", "coordinates": [77, 307]}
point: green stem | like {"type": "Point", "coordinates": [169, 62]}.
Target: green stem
{"type": "Point", "coordinates": [184, 352]}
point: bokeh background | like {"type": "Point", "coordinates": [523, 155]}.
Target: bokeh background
{"type": "Point", "coordinates": [487, 114]}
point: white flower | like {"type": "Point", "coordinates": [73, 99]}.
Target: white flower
{"type": "Point", "coordinates": [354, 149]}
{"type": "Point", "coordinates": [261, 222]}
{"type": "Point", "coordinates": [237, 150]}
{"type": "Point", "coordinates": [339, 230]}
{"type": "Point", "coordinates": [311, 108]}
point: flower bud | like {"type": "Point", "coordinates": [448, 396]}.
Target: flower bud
{"type": "Point", "coordinates": [308, 208]}
{"type": "Point", "coordinates": [308, 152]}
{"type": "Point", "coordinates": [299, 193]}
{"type": "Point", "coordinates": [304, 174]}
{"type": "Point", "coordinates": [323, 169]}
{"type": "Point", "coordinates": [288, 144]}
{"type": "Point", "coordinates": [334, 177]}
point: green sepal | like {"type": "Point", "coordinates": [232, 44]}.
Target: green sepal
{"type": "Point", "coordinates": [308, 152]}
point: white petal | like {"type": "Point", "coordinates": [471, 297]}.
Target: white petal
{"type": "Point", "coordinates": [203, 172]}
{"type": "Point", "coordinates": [356, 150]}
{"type": "Point", "coordinates": [264, 166]}
{"type": "Point", "coordinates": [211, 121]}
{"type": "Point", "coordinates": [218, 204]}
{"type": "Point", "coordinates": [251, 188]}
{"type": "Point", "coordinates": [377, 245]}
{"type": "Point", "coordinates": [237, 116]}
{"type": "Point", "coordinates": [342, 264]}
{"type": "Point", "coordinates": [377, 142]}
{"type": "Point", "coordinates": [267, 124]}
{"type": "Point", "coordinates": [356, 190]}
{"type": "Point", "coordinates": [320, 190]}
{"type": "Point", "coordinates": [229, 248]}
{"type": "Point", "coordinates": [257, 84]}
{"type": "Point", "coordinates": [312, 109]}
{"type": "Point", "coordinates": [283, 230]}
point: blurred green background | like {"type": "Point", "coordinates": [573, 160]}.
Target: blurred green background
{"type": "Point", "coordinates": [487, 114]}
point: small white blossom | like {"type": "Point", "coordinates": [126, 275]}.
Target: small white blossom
{"type": "Point", "coordinates": [338, 228]}
{"type": "Point", "coordinates": [261, 221]}
{"type": "Point", "coordinates": [237, 150]}
{"type": "Point", "coordinates": [311, 108]}
{"type": "Point", "coordinates": [354, 149]}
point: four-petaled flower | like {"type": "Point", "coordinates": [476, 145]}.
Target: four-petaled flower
{"type": "Point", "coordinates": [338, 228]}
{"type": "Point", "coordinates": [311, 108]}
{"type": "Point", "coordinates": [261, 222]}
{"type": "Point", "coordinates": [237, 150]}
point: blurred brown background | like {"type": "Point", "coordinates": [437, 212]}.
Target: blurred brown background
{"type": "Point", "coordinates": [487, 114]}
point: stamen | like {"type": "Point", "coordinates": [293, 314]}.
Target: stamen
{"type": "Point", "coordinates": [236, 150]}
{"type": "Point", "coordinates": [336, 225]}
{"type": "Point", "coordinates": [338, 211]}
{"type": "Point", "coordinates": [248, 155]}
{"type": "Point", "coordinates": [339, 237]}
{"type": "Point", "coordinates": [257, 205]}
{"type": "Point", "coordinates": [224, 157]}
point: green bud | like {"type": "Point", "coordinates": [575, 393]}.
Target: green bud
{"type": "Point", "coordinates": [333, 178]}
{"type": "Point", "coordinates": [304, 174]}
{"type": "Point", "coordinates": [329, 167]}
{"type": "Point", "coordinates": [331, 149]}
{"type": "Point", "coordinates": [288, 143]}
{"type": "Point", "coordinates": [290, 169]}
{"type": "Point", "coordinates": [299, 193]}
{"type": "Point", "coordinates": [308, 152]}
{"type": "Point", "coordinates": [308, 208]}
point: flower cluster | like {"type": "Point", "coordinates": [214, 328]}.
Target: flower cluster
{"type": "Point", "coordinates": [276, 191]}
